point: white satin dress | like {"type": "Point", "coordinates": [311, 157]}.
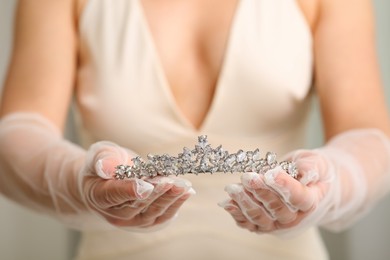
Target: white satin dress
{"type": "Point", "coordinates": [261, 100]}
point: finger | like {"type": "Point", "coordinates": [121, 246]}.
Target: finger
{"type": "Point", "coordinates": [307, 174]}
{"type": "Point", "coordinates": [275, 208]}
{"type": "Point", "coordinates": [108, 193]}
{"type": "Point", "coordinates": [270, 200]}
{"type": "Point", "coordinates": [162, 203]}
{"type": "Point", "coordinates": [105, 156]}
{"type": "Point", "coordinates": [163, 184]}
{"type": "Point", "coordinates": [171, 212]}
{"type": "Point", "coordinates": [159, 211]}
{"type": "Point", "coordinates": [251, 209]}
{"type": "Point", "coordinates": [129, 209]}
{"type": "Point", "coordinates": [131, 213]}
{"type": "Point", "coordinates": [233, 209]}
{"type": "Point", "coordinates": [290, 190]}
{"type": "Point", "coordinates": [300, 217]}
{"type": "Point", "coordinates": [231, 206]}
{"type": "Point", "coordinates": [310, 164]}
{"type": "Point", "coordinates": [172, 179]}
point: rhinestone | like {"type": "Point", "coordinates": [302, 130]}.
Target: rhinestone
{"type": "Point", "coordinates": [256, 155]}
{"type": "Point", "coordinates": [230, 160]}
{"type": "Point", "coordinates": [202, 141]}
{"type": "Point", "coordinates": [202, 159]}
{"type": "Point", "coordinates": [271, 158]}
{"type": "Point", "coordinates": [241, 155]}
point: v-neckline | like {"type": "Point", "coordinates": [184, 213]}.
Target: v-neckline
{"type": "Point", "coordinates": [162, 76]}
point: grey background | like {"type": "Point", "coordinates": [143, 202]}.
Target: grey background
{"type": "Point", "coordinates": [27, 235]}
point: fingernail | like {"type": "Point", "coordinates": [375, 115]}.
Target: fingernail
{"type": "Point", "coordinates": [270, 177]}
{"type": "Point", "coordinates": [182, 183]}
{"type": "Point", "coordinates": [100, 170]}
{"type": "Point", "coordinates": [191, 191]}
{"type": "Point", "coordinates": [224, 203]}
{"type": "Point", "coordinates": [310, 176]}
{"type": "Point", "coordinates": [233, 189]}
{"type": "Point", "coordinates": [143, 189]}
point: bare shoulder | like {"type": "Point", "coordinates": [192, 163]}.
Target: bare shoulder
{"type": "Point", "coordinates": [41, 71]}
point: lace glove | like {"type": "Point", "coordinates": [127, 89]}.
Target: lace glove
{"type": "Point", "coordinates": [44, 172]}
{"type": "Point", "coordinates": [336, 185]}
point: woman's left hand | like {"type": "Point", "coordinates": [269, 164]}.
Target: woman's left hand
{"type": "Point", "coordinates": [276, 202]}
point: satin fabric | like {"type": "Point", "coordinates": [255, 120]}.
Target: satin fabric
{"type": "Point", "coordinates": [261, 100]}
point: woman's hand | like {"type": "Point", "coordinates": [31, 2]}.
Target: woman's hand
{"type": "Point", "coordinates": [336, 184]}
{"type": "Point", "coordinates": [276, 201]}
{"type": "Point", "coordinates": [130, 203]}
{"type": "Point", "coordinates": [41, 170]}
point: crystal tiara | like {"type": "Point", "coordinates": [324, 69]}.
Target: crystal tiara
{"type": "Point", "coordinates": [203, 159]}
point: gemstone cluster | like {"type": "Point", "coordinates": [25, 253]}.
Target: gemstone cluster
{"type": "Point", "coordinates": [203, 159]}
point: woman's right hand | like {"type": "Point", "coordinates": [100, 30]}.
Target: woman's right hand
{"type": "Point", "coordinates": [130, 203]}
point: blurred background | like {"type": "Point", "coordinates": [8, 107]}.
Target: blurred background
{"type": "Point", "coordinates": [26, 235]}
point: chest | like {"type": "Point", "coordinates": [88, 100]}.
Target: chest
{"type": "Point", "coordinates": [260, 88]}
{"type": "Point", "coordinates": [191, 41]}
{"type": "Point", "coordinates": [192, 38]}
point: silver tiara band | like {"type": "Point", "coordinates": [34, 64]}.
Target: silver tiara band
{"type": "Point", "coordinates": [203, 159]}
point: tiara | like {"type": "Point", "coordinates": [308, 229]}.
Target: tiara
{"type": "Point", "coordinates": [203, 159]}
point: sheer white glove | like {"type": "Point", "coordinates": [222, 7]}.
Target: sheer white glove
{"type": "Point", "coordinates": [42, 171]}
{"type": "Point", "coordinates": [335, 186]}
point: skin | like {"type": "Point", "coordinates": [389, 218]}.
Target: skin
{"type": "Point", "coordinates": [42, 71]}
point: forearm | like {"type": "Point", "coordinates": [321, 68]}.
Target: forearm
{"type": "Point", "coordinates": [37, 165]}
{"type": "Point", "coordinates": [42, 171]}
{"type": "Point", "coordinates": [361, 160]}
